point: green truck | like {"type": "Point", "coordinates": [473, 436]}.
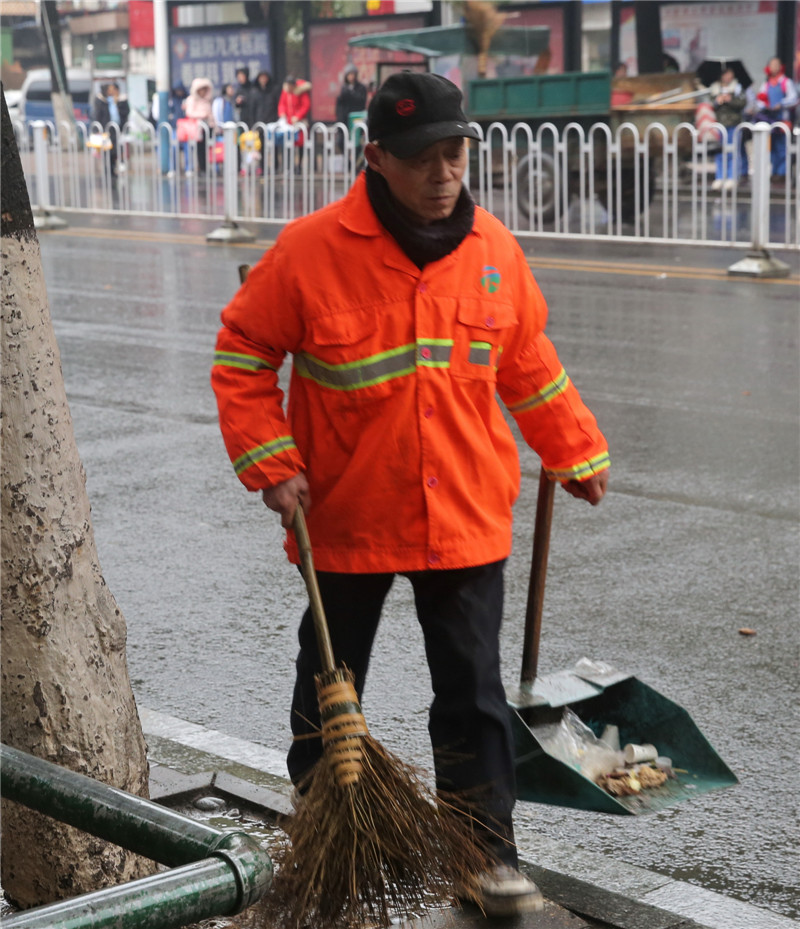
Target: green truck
{"type": "Point", "coordinates": [536, 101]}
{"type": "Point", "coordinates": [554, 109]}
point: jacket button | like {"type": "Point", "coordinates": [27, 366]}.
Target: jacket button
{"type": "Point", "coordinates": [489, 321]}
{"type": "Point", "coordinates": [428, 412]}
{"type": "Point", "coordinates": [422, 287]}
{"type": "Point", "coordinates": [433, 558]}
{"type": "Point", "coordinates": [425, 352]}
{"type": "Point", "coordinates": [432, 481]}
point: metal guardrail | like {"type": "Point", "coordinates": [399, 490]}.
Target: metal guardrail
{"type": "Point", "coordinates": [645, 182]}
{"type": "Point", "coordinates": [213, 872]}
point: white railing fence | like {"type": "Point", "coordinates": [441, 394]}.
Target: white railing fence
{"type": "Point", "coordinates": [657, 183]}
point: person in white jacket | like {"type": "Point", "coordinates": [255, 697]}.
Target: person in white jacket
{"type": "Point", "coordinates": [197, 106]}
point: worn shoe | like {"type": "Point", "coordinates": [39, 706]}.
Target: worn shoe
{"type": "Point", "coordinates": [730, 184]}
{"type": "Point", "coordinates": [503, 891]}
{"type": "Point", "coordinates": [717, 185]}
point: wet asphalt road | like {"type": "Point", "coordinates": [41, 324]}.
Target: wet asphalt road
{"type": "Point", "coordinates": [694, 379]}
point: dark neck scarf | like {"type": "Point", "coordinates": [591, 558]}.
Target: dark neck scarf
{"type": "Point", "coordinates": [422, 244]}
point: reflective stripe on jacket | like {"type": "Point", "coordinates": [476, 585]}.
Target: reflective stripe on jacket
{"type": "Point", "coordinates": [392, 409]}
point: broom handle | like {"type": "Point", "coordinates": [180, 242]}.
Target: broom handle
{"type": "Point", "coordinates": [314, 596]}
{"type": "Point", "coordinates": [244, 270]}
{"type": "Point", "coordinates": [541, 549]}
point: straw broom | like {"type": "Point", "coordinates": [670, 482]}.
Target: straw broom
{"type": "Point", "coordinates": [368, 838]}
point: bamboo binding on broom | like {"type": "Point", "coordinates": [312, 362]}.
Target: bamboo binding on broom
{"type": "Point", "coordinates": [368, 838]}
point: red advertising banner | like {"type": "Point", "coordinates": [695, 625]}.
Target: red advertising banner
{"type": "Point", "coordinates": [330, 54]}
{"type": "Point", "coordinates": [140, 24]}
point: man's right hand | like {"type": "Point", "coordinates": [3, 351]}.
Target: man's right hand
{"type": "Point", "coordinates": [592, 489]}
{"type": "Point", "coordinates": [283, 498]}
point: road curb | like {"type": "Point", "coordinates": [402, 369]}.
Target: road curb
{"type": "Point", "coordinates": [187, 759]}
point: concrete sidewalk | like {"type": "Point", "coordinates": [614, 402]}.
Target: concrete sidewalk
{"type": "Point", "coordinates": [583, 891]}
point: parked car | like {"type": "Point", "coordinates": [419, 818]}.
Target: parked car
{"type": "Point", "coordinates": [36, 95]}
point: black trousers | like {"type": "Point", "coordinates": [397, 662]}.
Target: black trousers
{"type": "Point", "coordinates": [460, 613]}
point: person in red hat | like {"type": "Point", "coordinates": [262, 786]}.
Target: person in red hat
{"type": "Point", "coordinates": [777, 103]}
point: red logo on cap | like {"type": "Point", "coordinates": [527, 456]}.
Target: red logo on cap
{"type": "Point", "coordinates": [405, 107]}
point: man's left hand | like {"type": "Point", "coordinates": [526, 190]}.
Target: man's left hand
{"type": "Point", "coordinates": [592, 489]}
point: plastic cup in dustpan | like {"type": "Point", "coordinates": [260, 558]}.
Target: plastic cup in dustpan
{"type": "Point", "coordinates": [558, 721]}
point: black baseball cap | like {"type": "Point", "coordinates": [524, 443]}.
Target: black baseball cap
{"type": "Point", "coordinates": [412, 110]}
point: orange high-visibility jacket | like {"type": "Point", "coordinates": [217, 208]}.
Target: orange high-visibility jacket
{"type": "Point", "coordinates": [392, 408]}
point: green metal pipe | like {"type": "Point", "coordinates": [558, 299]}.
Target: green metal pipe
{"type": "Point", "coordinates": [178, 897]}
{"type": "Point", "coordinates": [137, 824]}
{"type": "Point", "coordinates": [221, 873]}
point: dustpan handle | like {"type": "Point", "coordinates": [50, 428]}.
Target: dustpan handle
{"type": "Point", "coordinates": [312, 586]}
{"type": "Point", "coordinates": [541, 549]}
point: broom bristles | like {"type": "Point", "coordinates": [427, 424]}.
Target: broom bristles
{"type": "Point", "coordinates": [361, 852]}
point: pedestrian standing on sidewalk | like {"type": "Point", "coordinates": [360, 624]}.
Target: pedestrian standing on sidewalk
{"type": "Point", "coordinates": [777, 102]}
{"type": "Point", "coordinates": [111, 110]}
{"type": "Point", "coordinates": [223, 107]}
{"type": "Point", "coordinates": [242, 97]}
{"type": "Point", "coordinates": [352, 95]}
{"type": "Point", "coordinates": [352, 99]}
{"type": "Point", "coordinates": [294, 104]}
{"type": "Point", "coordinates": [407, 309]}
{"type": "Point", "coordinates": [197, 106]}
{"type": "Point", "coordinates": [728, 100]}
{"type": "Point", "coordinates": [263, 107]}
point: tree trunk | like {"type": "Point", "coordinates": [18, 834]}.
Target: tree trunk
{"type": "Point", "coordinates": [66, 695]}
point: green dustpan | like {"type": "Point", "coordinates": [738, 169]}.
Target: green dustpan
{"type": "Point", "coordinates": [599, 696]}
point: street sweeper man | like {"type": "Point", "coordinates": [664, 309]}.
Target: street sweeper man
{"type": "Point", "coordinates": [407, 309]}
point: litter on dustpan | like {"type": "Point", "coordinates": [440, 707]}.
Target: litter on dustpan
{"type": "Point", "coordinates": [619, 771]}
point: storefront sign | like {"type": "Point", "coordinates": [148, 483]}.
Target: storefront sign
{"type": "Point", "coordinates": [217, 53]}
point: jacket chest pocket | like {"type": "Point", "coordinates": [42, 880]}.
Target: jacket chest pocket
{"type": "Point", "coordinates": [346, 355]}
{"type": "Point", "coordinates": [480, 330]}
